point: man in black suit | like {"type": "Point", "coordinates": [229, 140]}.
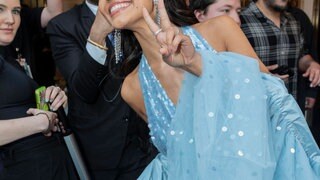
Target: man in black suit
{"type": "Point", "coordinates": [113, 139]}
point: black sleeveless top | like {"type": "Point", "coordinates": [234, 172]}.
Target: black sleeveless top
{"type": "Point", "coordinates": [16, 90]}
{"type": "Point", "coordinates": [16, 97]}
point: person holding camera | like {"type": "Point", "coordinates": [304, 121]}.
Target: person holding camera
{"type": "Point", "coordinates": [277, 39]}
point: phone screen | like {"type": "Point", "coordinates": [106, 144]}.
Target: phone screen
{"type": "Point", "coordinates": [40, 99]}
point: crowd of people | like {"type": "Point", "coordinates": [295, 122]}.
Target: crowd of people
{"type": "Point", "coordinates": [160, 89]}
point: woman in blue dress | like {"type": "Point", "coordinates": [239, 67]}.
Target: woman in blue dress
{"type": "Point", "coordinates": [213, 110]}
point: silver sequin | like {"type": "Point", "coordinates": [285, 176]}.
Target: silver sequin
{"type": "Point", "coordinates": [237, 96]}
{"type": "Point", "coordinates": [230, 116]}
{"type": "Point", "coordinates": [224, 129]}
{"type": "Point", "coordinates": [240, 153]}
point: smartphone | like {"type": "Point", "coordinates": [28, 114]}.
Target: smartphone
{"type": "Point", "coordinates": [282, 70]}
{"type": "Point", "coordinates": [40, 98]}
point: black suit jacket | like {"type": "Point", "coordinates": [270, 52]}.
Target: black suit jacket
{"type": "Point", "coordinates": [101, 127]}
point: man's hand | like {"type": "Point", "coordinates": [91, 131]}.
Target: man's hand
{"type": "Point", "coordinates": [313, 72]}
{"type": "Point", "coordinates": [284, 77]}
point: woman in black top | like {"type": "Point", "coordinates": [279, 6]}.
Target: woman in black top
{"type": "Point", "coordinates": [29, 148]}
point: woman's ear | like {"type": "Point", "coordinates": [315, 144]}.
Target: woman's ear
{"type": "Point", "coordinates": [199, 15]}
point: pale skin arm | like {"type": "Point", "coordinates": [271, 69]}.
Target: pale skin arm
{"type": "Point", "coordinates": [54, 7]}
{"type": "Point", "coordinates": [14, 129]}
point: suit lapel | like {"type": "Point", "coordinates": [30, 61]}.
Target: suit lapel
{"type": "Point", "coordinates": [87, 18]}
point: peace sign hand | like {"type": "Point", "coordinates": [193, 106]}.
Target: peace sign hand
{"type": "Point", "coordinates": [176, 48]}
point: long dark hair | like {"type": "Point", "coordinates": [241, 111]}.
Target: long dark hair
{"type": "Point", "coordinates": [180, 13]}
{"type": "Point", "coordinates": [201, 5]}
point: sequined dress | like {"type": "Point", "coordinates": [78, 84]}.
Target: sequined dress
{"type": "Point", "coordinates": [233, 122]}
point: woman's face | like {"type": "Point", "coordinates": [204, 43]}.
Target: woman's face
{"type": "Point", "coordinates": [126, 14]}
{"type": "Point", "coordinates": [231, 8]}
{"type": "Point", "coordinates": [9, 20]}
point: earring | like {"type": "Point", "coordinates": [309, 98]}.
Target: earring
{"type": "Point", "coordinates": [117, 45]}
{"type": "Point", "coordinates": [157, 18]}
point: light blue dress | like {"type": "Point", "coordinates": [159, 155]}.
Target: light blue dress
{"type": "Point", "coordinates": [233, 122]}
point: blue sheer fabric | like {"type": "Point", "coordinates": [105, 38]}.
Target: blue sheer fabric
{"type": "Point", "coordinates": [233, 122]}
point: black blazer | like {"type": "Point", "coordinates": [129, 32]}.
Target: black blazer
{"type": "Point", "coordinates": [101, 127]}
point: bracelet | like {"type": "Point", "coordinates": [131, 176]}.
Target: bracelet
{"type": "Point", "coordinates": [48, 129]}
{"type": "Point", "coordinates": [97, 45]}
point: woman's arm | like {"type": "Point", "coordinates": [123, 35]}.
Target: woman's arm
{"type": "Point", "coordinates": [223, 34]}
{"type": "Point", "coordinates": [53, 8]}
{"type": "Point", "coordinates": [14, 129]}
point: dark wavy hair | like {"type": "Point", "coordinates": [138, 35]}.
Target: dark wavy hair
{"type": "Point", "coordinates": [179, 13]}
{"type": "Point", "coordinates": [201, 5]}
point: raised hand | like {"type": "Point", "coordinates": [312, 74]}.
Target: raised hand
{"type": "Point", "coordinates": [103, 10]}
{"type": "Point", "coordinates": [101, 26]}
{"type": "Point", "coordinates": [176, 48]}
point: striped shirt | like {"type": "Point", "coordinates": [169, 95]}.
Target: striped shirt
{"type": "Point", "coordinates": [274, 45]}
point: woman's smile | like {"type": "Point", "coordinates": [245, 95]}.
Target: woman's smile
{"type": "Point", "coordinates": [116, 7]}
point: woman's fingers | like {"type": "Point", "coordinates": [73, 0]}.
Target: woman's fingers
{"type": "Point", "coordinates": [51, 92]}
{"type": "Point", "coordinates": [59, 100]}
{"type": "Point", "coordinates": [155, 29]}
{"type": "Point", "coordinates": [56, 97]}
{"type": "Point", "coordinates": [170, 35]}
{"type": "Point", "coordinates": [164, 18]}
{"type": "Point", "coordinates": [176, 43]}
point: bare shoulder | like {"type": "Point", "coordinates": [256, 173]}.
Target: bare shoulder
{"type": "Point", "coordinates": [218, 30]}
{"type": "Point", "coordinates": [217, 25]}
